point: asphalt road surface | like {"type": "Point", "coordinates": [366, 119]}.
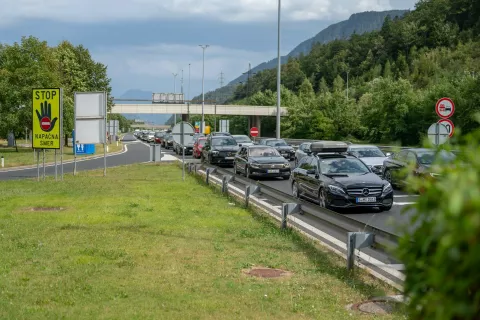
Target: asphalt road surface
{"type": "Point", "coordinates": [389, 221]}
{"type": "Point", "coordinates": [135, 153]}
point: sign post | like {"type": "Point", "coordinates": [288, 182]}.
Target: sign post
{"type": "Point", "coordinates": [440, 132]}
{"type": "Point", "coordinates": [182, 133]}
{"type": "Point", "coordinates": [254, 132]}
{"type": "Point", "coordinates": [90, 115]}
{"type": "Point", "coordinates": [47, 122]}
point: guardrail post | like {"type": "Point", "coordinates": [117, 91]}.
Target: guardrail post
{"type": "Point", "coordinates": [208, 171]}
{"type": "Point", "coordinates": [357, 240]}
{"type": "Point", "coordinates": [289, 208]}
{"type": "Point", "coordinates": [250, 190]}
{"type": "Point", "coordinates": [224, 184]}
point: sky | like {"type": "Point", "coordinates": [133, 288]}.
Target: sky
{"type": "Point", "coordinates": [144, 42]}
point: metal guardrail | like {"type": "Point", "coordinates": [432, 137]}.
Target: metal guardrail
{"type": "Point", "coordinates": [358, 235]}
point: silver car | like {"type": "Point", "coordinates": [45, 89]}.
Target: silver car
{"type": "Point", "coordinates": [302, 151]}
{"type": "Point", "coordinates": [372, 156]}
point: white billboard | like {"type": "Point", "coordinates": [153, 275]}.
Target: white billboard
{"type": "Point", "coordinates": [90, 117]}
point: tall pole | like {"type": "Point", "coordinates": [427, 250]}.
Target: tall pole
{"type": "Point", "coordinates": [189, 91]}
{"type": "Point", "coordinates": [202, 129]}
{"type": "Point", "coordinates": [347, 85]}
{"type": "Point", "coordinates": [279, 69]}
{"type": "Point", "coordinates": [174, 97]}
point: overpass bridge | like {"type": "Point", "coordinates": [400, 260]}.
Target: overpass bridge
{"type": "Point", "coordinates": [253, 112]}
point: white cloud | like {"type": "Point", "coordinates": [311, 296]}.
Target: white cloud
{"type": "Point", "coordinates": [223, 10]}
{"type": "Point", "coordinates": [152, 67]}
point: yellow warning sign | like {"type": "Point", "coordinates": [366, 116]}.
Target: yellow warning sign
{"type": "Point", "coordinates": [46, 118]}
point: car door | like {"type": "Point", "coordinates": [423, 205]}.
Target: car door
{"type": "Point", "coordinates": [206, 148]}
{"type": "Point", "coordinates": [241, 159]}
{"type": "Point", "coordinates": [311, 180]}
{"type": "Point", "coordinates": [301, 175]}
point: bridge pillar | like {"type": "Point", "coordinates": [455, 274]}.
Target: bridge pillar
{"type": "Point", "coordinates": [255, 121]}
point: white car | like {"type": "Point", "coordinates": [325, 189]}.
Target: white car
{"type": "Point", "coordinates": [243, 140]}
{"type": "Point", "coordinates": [372, 156]}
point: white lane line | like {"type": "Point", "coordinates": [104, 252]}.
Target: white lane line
{"type": "Point", "coordinates": [403, 203]}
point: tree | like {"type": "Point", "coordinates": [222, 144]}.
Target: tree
{"type": "Point", "coordinates": [23, 66]}
{"type": "Point", "coordinates": [442, 253]}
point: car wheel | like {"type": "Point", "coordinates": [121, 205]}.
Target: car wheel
{"type": "Point", "coordinates": [286, 177]}
{"type": "Point", "coordinates": [387, 175]}
{"type": "Point", "coordinates": [322, 198]}
{"type": "Point", "coordinates": [295, 191]}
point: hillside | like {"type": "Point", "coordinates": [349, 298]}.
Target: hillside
{"type": "Point", "coordinates": [396, 76]}
{"type": "Point", "coordinates": [358, 23]}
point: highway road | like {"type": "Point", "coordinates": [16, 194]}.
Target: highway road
{"type": "Point", "coordinates": [139, 152]}
{"type": "Point", "coordinates": [389, 221]}
{"type": "Point", "coordinates": [134, 152]}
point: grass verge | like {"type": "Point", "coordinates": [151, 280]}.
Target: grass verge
{"type": "Point", "coordinates": [160, 249]}
{"type": "Point", "coordinates": [25, 156]}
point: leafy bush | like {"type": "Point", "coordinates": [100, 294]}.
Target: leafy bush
{"type": "Point", "coordinates": [442, 255]}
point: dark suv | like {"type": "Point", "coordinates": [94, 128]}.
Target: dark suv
{"type": "Point", "coordinates": [219, 150]}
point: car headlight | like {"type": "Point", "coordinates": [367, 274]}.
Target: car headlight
{"type": "Point", "coordinates": [286, 165]}
{"type": "Point", "coordinates": [387, 188]}
{"type": "Point", "coordinates": [336, 190]}
{"type": "Point", "coordinates": [215, 153]}
{"type": "Point", "coordinates": [254, 165]}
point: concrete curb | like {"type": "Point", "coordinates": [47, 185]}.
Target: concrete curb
{"type": "Point", "coordinates": [49, 164]}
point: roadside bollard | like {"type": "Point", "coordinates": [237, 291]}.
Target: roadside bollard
{"type": "Point", "coordinates": [3, 162]}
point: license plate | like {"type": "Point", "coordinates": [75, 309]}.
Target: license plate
{"type": "Point", "coordinates": [229, 158]}
{"type": "Point", "coordinates": [273, 171]}
{"type": "Point", "coordinates": [366, 200]}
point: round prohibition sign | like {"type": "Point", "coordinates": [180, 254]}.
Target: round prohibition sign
{"type": "Point", "coordinates": [445, 108]}
{"type": "Point", "coordinates": [449, 125]}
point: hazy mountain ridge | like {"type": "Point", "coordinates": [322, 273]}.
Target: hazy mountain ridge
{"type": "Point", "coordinates": [357, 23]}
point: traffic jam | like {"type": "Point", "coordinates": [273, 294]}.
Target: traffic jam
{"type": "Point", "coordinates": [333, 174]}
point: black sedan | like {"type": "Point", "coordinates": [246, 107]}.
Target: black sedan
{"type": "Point", "coordinates": [394, 167]}
{"type": "Point", "coordinates": [338, 181]}
{"type": "Point", "coordinates": [261, 161]}
{"type": "Point", "coordinates": [219, 150]}
{"type": "Point", "coordinates": [282, 147]}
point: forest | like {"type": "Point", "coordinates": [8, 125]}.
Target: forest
{"type": "Point", "coordinates": [395, 77]}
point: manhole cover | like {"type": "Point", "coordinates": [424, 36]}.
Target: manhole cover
{"type": "Point", "coordinates": [375, 306]}
{"type": "Point", "coordinates": [267, 272]}
{"type": "Point", "coordinates": [46, 209]}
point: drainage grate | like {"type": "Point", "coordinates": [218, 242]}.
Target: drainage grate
{"type": "Point", "coordinates": [267, 272]}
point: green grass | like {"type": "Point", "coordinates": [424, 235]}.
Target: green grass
{"type": "Point", "coordinates": [25, 156]}
{"type": "Point", "coordinates": [158, 248]}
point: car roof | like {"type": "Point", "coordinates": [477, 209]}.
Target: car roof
{"type": "Point", "coordinates": [362, 146]}
{"type": "Point", "coordinates": [334, 156]}
{"type": "Point", "coordinates": [256, 146]}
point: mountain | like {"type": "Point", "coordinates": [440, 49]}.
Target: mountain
{"type": "Point", "coordinates": [132, 94]}
{"type": "Point", "coordinates": [358, 23]}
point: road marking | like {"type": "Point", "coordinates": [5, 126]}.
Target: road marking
{"type": "Point", "coordinates": [403, 203]}
{"type": "Point", "coordinates": [406, 196]}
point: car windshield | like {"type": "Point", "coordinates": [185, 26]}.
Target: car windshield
{"type": "Point", "coordinates": [428, 157]}
{"type": "Point", "coordinates": [343, 166]}
{"type": "Point", "coordinates": [241, 139]}
{"type": "Point", "coordinates": [159, 134]}
{"type": "Point", "coordinates": [276, 143]}
{"type": "Point", "coordinates": [224, 142]}
{"type": "Point", "coordinates": [263, 152]}
{"type": "Point", "coordinates": [367, 152]}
